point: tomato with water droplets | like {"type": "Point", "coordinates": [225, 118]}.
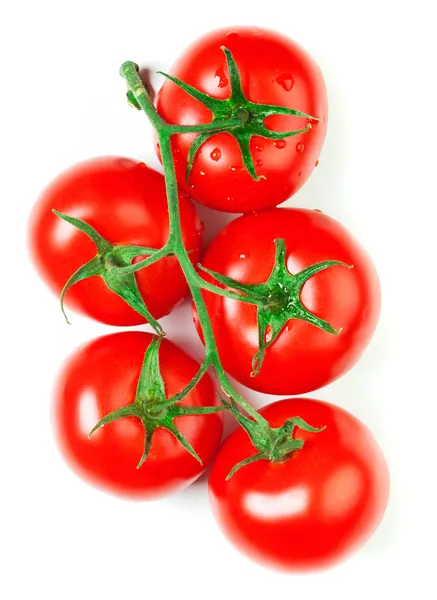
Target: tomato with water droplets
{"type": "Point", "coordinates": [274, 70]}
{"type": "Point", "coordinates": [303, 357]}
{"type": "Point", "coordinates": [312, 509]}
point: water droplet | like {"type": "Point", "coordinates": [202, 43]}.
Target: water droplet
{"type": "Point", "coordinates": [280, 144]}
{"type": "Point", "coordinates": [242, 256]}
{"type": "Point", "coordinates": [142, 164]}
{"type": "Point", "coordinates": [222, 79]}
{"type": "Point", "coordinates": [259, 163]}
{"type": "Point", "coordinates": [230, 199]}
{"type": "Point", "coordinates": [216, 154]}
{"type": "Point", "coordinates": [300, 174]}
{"type": "Point", "coordinates": [201, 173]}
{"type": "Point", "coordinates": [259, 147]}
{"type": "Point", "coordinates": [234, 168]}
{"type": "Point", "coordinates": [300, 147]}
{"type": "Point", "coordinates": [232, 36]}
{"type": "Point", "coordinates": [286, 81]}
{"type": "Point", "coordinates": [317, 210]}
{"type": "Point", "coordinates": [317, 163]}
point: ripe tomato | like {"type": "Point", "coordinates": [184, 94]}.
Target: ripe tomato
{"type": "Point", "coordinates": [312, 509]}
{"type": "Point", "coordinates": [125, 201]}
{"type": "Point", "coordinates": [102, 376]}
{"type": "Point", "coordinates": [303, 357]}
{"type": "Point", "coordinates": [274, 70]}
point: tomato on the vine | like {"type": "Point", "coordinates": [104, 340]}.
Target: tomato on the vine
{"type": "Point", "coordinates": [311, 509]}
{"type": "Point", "coordinates": [319, 327]}
{"type": "Point", "coordinates": [125, 202]}
{"type": "Point", "coordinates": [101, 377]}
{"type": "Point", "coordinates": [274, 70]}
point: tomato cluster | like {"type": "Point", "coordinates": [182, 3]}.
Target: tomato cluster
{"type": "Point", "coordinates": [284, 299]}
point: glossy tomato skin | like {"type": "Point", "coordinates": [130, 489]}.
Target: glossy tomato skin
{"type": "Point", "coordinates": [102, 376]}
{"type": "Point", "coordinates": [312, 510]}
{"type": "Point", "coordinates": [303, 358]}
{"type": "Point", "coordinates": [274, 70]}
{"type": "Point", "coordinates": [125, 201]}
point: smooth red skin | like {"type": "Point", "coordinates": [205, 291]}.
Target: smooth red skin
{"type": "Point", "coordinates": [312, 510]}
{"type": "Point", "coordinates": [303, 358]}
{"type": "Point", "coordinates": [262, 56]}
{"type": "Point", "coordinates": [125, 201]}
{"type": "Point", "coordinates": [102, 376]}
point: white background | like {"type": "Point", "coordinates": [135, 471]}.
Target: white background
{"type": "Point", "coordinates": [61, 101]}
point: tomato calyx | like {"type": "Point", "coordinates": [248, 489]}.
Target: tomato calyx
{"type": "Point", "coordinates": [235, 115]}
{"type": "Point", "coordinates": [274, 444]}
{"type": "Point", "coordinates": [278, 299]}
{"type": "Point", "coordinates": [110, 258]}
{"type": "Point", "coordinates": [153, 408]}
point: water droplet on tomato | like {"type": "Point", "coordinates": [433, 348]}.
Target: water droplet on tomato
{"type": "Point", "coordinates": [230, 199]}
{"type": "Point", "coordinates": [222, 79]}
{"type": "Point", "coordinates": [317, 210]}
{"type": "Point", "coordinates": [300, 147]}
{"type": "Point", "coordinates": [142, 164]}
{"type": "Point", "coordinates": [259, 163]}
{"type": "Point", "coordinates": [259, 147]}
{"type": "Point", "coordinates": [242, 256]}
{"type": "Point", "coordinates": [300, 174]}
{"type": "Point", "coordinates": [232, 36]}
{"type": "Point", "coordinates": [216, 154]}
{"type": "Point", "coordinates": [280, 144]}
{"type": "Point", "coordinates": [286, 81]}
{"type": "Point", "coordinates": [317, 163]}
{"type": "Point", "coordinates": [201, 173]}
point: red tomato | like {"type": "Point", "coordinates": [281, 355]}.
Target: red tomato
{"type": "Point", "coordinates": [274, 70]}
{"type": "Point", "coordinates": [125, 201]}
{"type": "Point", "coordinates": [312, 509]}
{"type": "Point", "coordinates": [303, 357]}
{"type": "Point", "coordinates": [101, 377]}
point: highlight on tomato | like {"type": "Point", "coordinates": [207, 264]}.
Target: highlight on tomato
{"type": "Point", "coordinates": [111, 211]}
{"type": "Point", "coordinates": [306, 496]}
{"type": "Point", "coordinates": [270, 98]}
{"type": "Point", "coordinates": [125, 421]}
{"type": "Point", "coordinates": [310, 299]}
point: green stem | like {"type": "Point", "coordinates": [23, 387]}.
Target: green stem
{"type": "Point", "coordinates": [129, 71]}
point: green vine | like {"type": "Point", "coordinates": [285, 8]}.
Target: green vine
{"type": "Point", "coordinates": [277, 300]}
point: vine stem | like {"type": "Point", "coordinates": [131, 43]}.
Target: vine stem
{"type": "Point", "coordinates": [164, 130]}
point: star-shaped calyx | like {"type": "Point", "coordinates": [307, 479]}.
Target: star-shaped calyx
{"type": "Point", "coordinates": [239, 117]}
{"type": "Point", "coordinates": [153, 408]}
{"type": "Point", "coordinates": [107, 264]}
{"type": "Point", "coordinates": [274, 444]}
{"type": "Point", "coordinates": [278, 299]}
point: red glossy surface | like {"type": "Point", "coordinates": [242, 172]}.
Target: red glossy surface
{"type": "Point", "coordinates": [312, 510]}
{"type": "Point", "coordinates": [125, 201]}
{"type": "Point", "coordinates": [303, 358]}
{"type": "Point", "coordinates": [102, 376]}
{"type": "Point", "coordinates": [274, 70]}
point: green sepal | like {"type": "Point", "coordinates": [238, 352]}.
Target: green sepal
{"type": "Point", "coordinates": [194, 148]}
{"type": "Point", "coordinates": [278, 299]}
{"type": "Point", "coordinates": [109, 258]}
{"type": "Point", "coordinates": [152, 407]}
{"type": "Point", "coordinates": [273, 444]}
{"type": "Point", "coordinates": [250, 117]}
